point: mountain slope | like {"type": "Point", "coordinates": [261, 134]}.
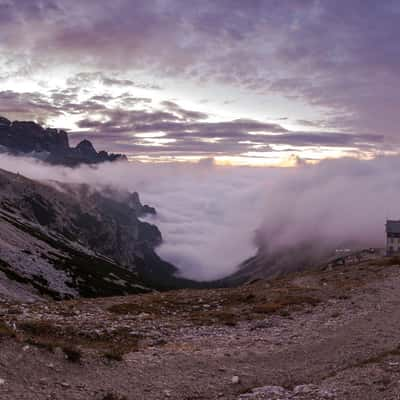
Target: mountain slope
{"type": "Point", "coordinates": [307, 256]}
{"type": "Point", "coordinates": [70, 240]}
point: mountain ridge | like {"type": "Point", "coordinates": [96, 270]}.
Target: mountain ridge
{"type": "Point", "coordinates": [50, 145]}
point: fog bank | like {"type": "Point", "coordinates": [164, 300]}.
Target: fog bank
{"type": "Point", "coordinates": [213, 218]}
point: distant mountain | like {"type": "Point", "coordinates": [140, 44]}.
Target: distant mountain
{"type": "Point", "coordinates": [267, 265]}
{"type": "Point", "coordinates": [50, 145]}
{"type": "Point", "coordinates": [71, 241]}
{"type": "Point", "coordinates": [307, 255]}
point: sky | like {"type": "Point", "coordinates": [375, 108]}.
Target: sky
{"type": "Point", "coordinates": [255, 82]}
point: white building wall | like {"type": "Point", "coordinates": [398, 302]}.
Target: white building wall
{"type": "Point", "coordinates": [393, 245]}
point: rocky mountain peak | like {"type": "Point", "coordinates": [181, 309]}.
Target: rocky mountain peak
{"type": "Point", "coordinates": [4, 122]}
{"type": "Point", "coordinates": [50, 145]}
{"type": "Point", "coordinates": [86, 147]}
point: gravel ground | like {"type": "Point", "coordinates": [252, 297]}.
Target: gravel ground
{"type": "Point", "coordinates": [345, 345]}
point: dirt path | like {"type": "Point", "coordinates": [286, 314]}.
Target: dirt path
{"type": "Point", "coordinates": [347, 346]}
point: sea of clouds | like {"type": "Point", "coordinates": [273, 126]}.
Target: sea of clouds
{"type": "Point", "coordinates": [213, 218]}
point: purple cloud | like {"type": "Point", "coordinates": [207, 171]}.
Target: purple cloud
{"type": "Point", "coordinates": [340, 57]}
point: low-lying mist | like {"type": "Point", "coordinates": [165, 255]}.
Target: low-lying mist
{"type": "Point", "coordinates": [213, 218]}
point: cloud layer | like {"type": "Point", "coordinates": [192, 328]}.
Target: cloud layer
{"type": "Point", "coordinates": [133, 125]}
{"type": "Point", "coordinates": [213, 218]}
{"type": "Point", "coordinates": [207, 214]}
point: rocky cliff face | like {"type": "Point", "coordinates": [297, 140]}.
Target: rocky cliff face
{"type": "Point", "coordinates": [51, 145]}
{"type": "Point", "coordinates": [71, 240]}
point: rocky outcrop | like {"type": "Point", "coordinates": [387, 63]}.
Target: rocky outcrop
{"type": "Point", "coordinates": [50, 145]}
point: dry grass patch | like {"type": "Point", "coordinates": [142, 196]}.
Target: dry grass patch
{"type": "Point", "coordinates": [72, 354]}
{"type": "Point", "coordinates": [73, 341]}
{"type": "Point", "coordinates": [347, 283]}
{"type": "Point", "coordinates": [221, 306]}
{"type": "Point", "coordinates": [268, 308]}
{"type": "Point", "coordinates": [385, 261]}
{"type": "Point", "coordinates": [223, 317]}
{"type": "Point", "coordinates": [114, 355]}
{"type": "Point", "coordinates": [159, 304]}
{"type": "Point", "coordinates": [38, 328]}
{"type": "Point", "coordinates": [153, 305]}
{"type": "Point", "coordinates": [284, 302]}
{"type": "Point", "coordinates": [114, 396]}
{"type": "Point", "coordinates": [126, 308]}
{"type": "Point", "coordinates": [5, 330]}
{"type": "Point", "coordinates": [380, 357]}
